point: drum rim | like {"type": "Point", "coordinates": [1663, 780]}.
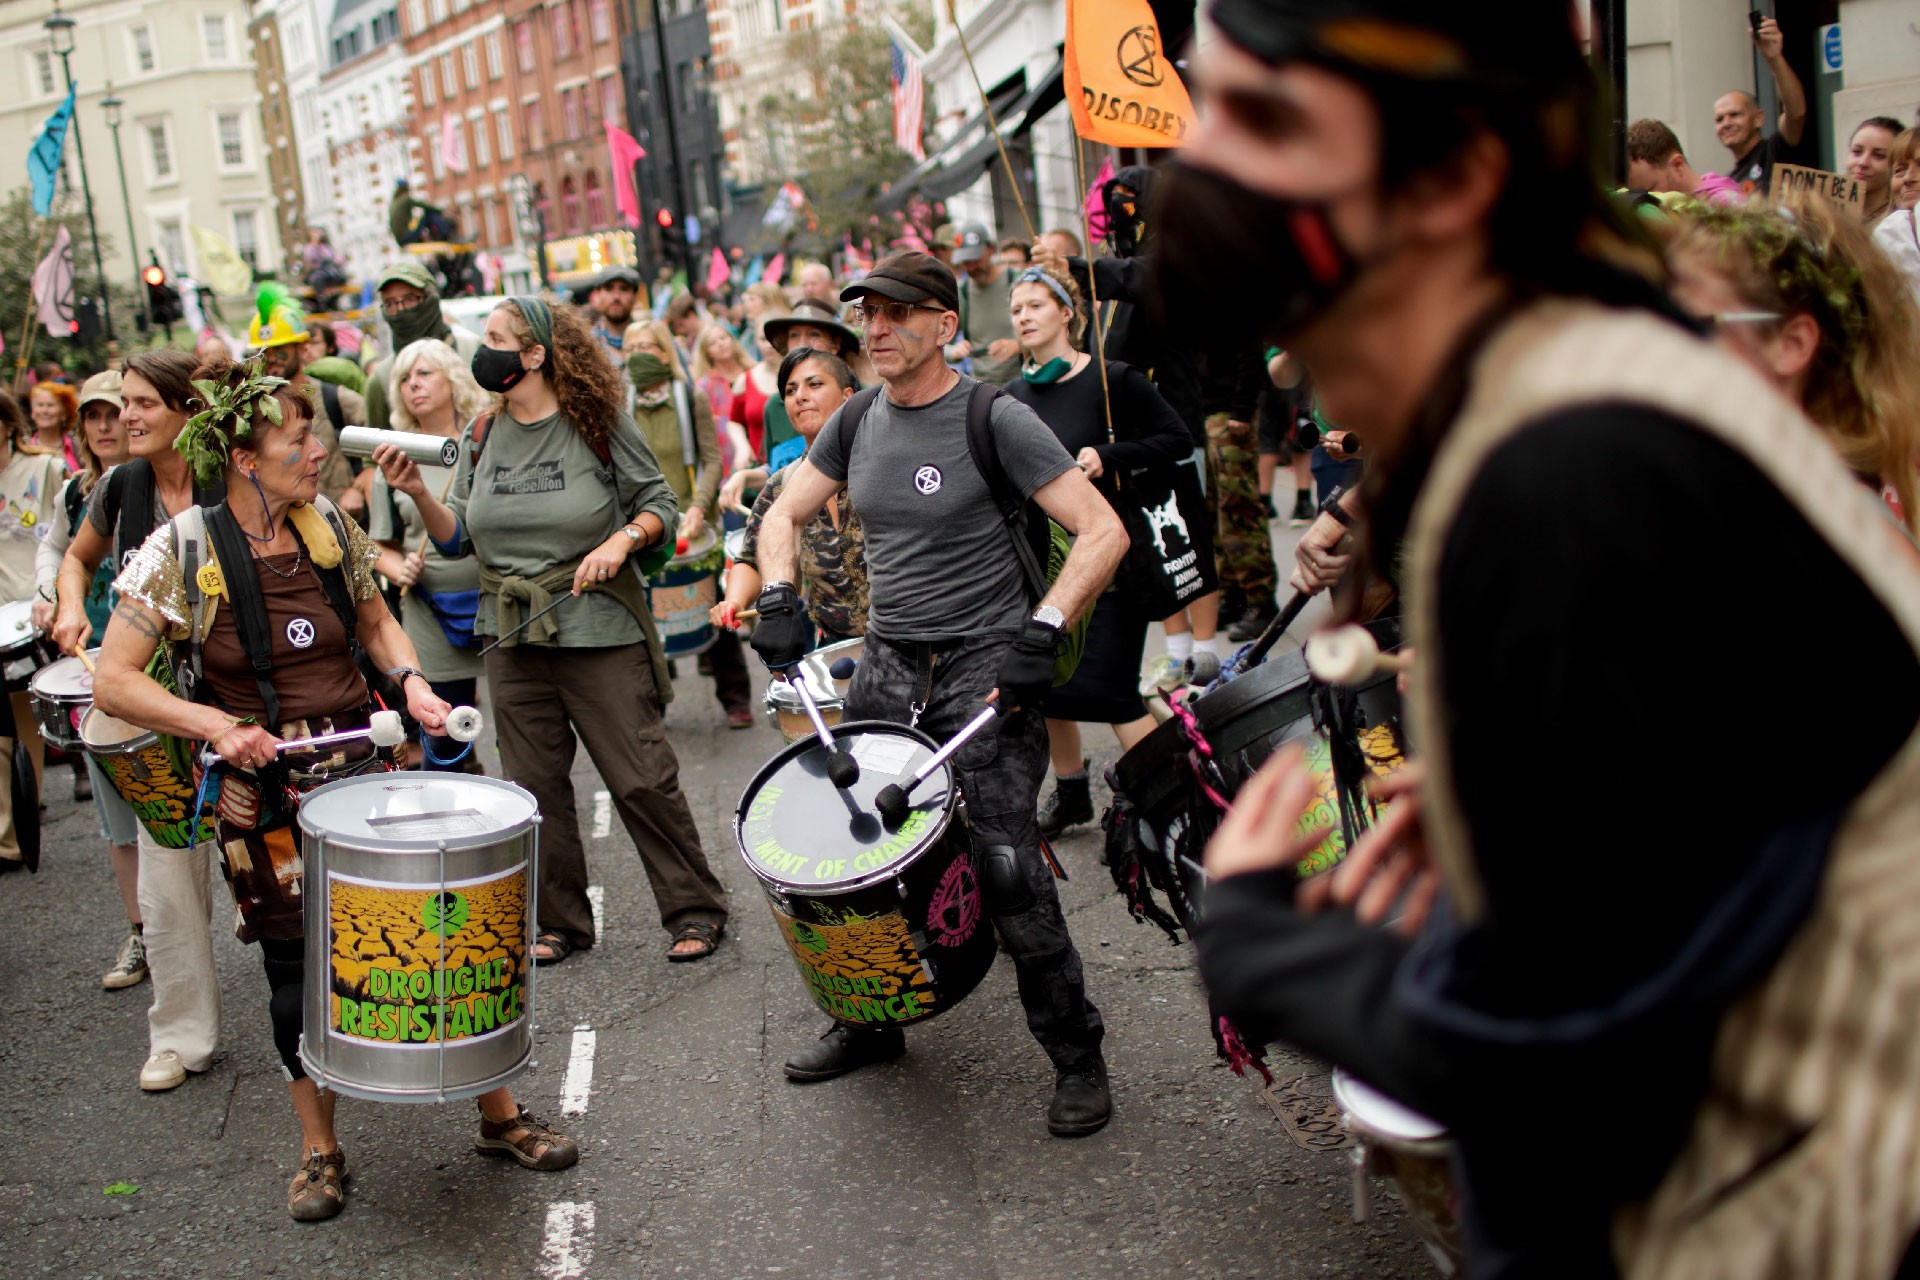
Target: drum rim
{"type": "Point", "coordinates": [33, 682]}
{"type": "Point", "coordinates": [424, 845]}
{"type": "Point", "coordinates": [129, 747]}
{"type": "Point", "coordinates": [1349, 1089]}
{"type": "Point", "coordinates": [796, 748]}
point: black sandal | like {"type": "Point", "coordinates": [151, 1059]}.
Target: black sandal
{"type": "Point", "coordinates": [704, 932]}
{"type": "Point", "coordinates": [559, 946]}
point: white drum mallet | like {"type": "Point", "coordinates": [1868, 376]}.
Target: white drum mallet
{"type": "Point", "coordinates": [1350, 655]}
{"type": "Point", "coordinates": [464, 724]}
{"type": "Point", "coordinates": [384, 729]}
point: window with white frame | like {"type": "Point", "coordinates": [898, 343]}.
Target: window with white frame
{"type": "Point", "coordinates": [470, 64]}
{"type": "Point", "coordinates": [437, 10]}
{"type": "Point", "coordinates": [446, 74]}
{"type": "Point", "coordinates": [172, 242]}
{"type": "Point", "coordinates": [438, 160]}
{"type": "Point", "coordinates": [295, 36]}
{"type": "Point", "coordinates": [417, 16]}
{"type": "Point", "coordinates": [160, 150]}
{"type": "Point", "coordinates": [599, 22]}
{"type": "Point", "coordinates": [142, 38]}
{"type": "Point", "coordinates": [496, 55]}
{"type": "Point", "coordinates": [611, 106]}
{"type": "Point", "coordinates": [316, 177]}
{"type": "Point", "coordinates": [213, 36]}
{"type": "Point", "coordinates": [233, 143]}
{"type": "Point", "coordinates": [246, 237]}
{"type": "Point", "coordinates": [43, 71]}
{"type": "Point", "coordinates": [482, 152]}
{"type": "Point", "coordinates": [504, 119]}
{"type": "Point", "coordinates": [427, 96]}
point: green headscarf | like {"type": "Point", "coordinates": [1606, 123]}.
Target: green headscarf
{"type": "Point", "coordinates": [647, 370]}
{"type": "Point", "coordinates": [538, 317]}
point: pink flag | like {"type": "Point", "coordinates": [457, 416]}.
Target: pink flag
{"type": "Point", "coordinates": [53, 286]}
{"type": "Point", "coordinates": [1096, 206]}
{"type": "Point", "coordinates": [718, 272]}
{"type": "Point", "coordinates": [775, 269]}
{"type": "Point", "coordinates": [625, 149]}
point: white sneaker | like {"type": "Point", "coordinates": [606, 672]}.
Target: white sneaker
{"type": "Point", "coordinates": [131, 968]}
{"type": "Point", "coordinates": [163, 1071]}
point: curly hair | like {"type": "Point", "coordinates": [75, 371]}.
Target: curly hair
{"type": "Point", "coordinates": [578, 369]}
{"type": "Point", "coordinates": [13, 423]}
{"type": "Point", "coordinates": [469, 401]}
{"type": "Point", "coordinates": [208, 446]}
{"type": "Point", "coordinates": [1076, 327]}
{"type": "Point", "coordinates": [1803, 258]}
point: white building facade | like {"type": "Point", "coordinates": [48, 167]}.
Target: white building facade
{"type": "Point", "coordinates": [364, 107]}
{"type": "Point", "coordinates": [190, 131]}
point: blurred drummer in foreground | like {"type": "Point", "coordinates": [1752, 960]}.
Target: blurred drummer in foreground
{"type": "Point", "coordinates": [1657, 914]}
{"type": "Point", "coordinates": [301, 563]}
{"type": "Point", "coordinates": [833, 560]}
{"type": "Point", "coordinates": [562, 495]}
{"type": "Point", "coordinates": [29, 482]}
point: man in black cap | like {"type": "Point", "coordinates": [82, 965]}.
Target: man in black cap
{"type": "Point", "coordinates": [952, 626]}
{"type": "Point", "coordinates": [1403, 195]}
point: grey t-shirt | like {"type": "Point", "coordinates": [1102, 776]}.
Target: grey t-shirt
{"type": "Point", "coordinates": [940, 561]}
{"type": "Point", "coordinates": [542, 498]}
{"type": "Point", "coordinates": [990, 318]}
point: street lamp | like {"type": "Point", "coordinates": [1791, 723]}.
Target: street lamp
{"type": "Point", "coordinates": [59, 28]}
{"type": "Point", "coordinates": [112, 105]}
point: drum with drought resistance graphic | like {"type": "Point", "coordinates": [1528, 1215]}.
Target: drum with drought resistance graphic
{"type": "Point", "coordinates": [420, 919]}
{"type": "Point", "coordinates": [886, 927]}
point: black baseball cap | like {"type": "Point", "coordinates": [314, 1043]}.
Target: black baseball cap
{"type": "Point", "coordinates": [908, 277]}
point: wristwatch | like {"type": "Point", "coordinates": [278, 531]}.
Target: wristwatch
{"type": "Point", "coordinates": [1048, 616]}
{"type": "Point", "coordinates": [633, 533]}
{"type": "Point", "coordinates": [400, 675]}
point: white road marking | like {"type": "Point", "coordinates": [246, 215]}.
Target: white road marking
{"type": "Point", "coordinates": [569, 1241]}
{"type": "Point", "coordinates": [579, 1079]}
{"type": "Point", "coordinates": [597, 899]}
{"type": "Point", "coordinates": [602, 814]}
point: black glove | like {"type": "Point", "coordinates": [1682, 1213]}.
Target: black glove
{"type": "Point", "coordinates": [1026, 670]}
{"type": "Point", "coordinates": [780, 636]}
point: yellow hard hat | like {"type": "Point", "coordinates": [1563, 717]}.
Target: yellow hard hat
{"type": "Point", "coordinates": [277, 322]}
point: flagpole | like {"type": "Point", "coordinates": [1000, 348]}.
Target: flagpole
{"type": "Point", "coordinates": [1093, 290]}
{"type": "Point", "coordinates": [1013, 179]}
{"type": "Point", "coordinates": [21, 361]}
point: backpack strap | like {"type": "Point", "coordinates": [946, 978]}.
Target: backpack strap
{"type": "Point", "coordinates": [229, 544]}
{"type": "Point", "coordinates": [130, 506]}
{"type": "Point", "coordinates": [330, 401]}
{"type": "Point", "coordinates": [73, 499]}
{"type": "Point", "coordinates": [1013, 507]}
{"type": "Point", "coordinates": [852, 413]}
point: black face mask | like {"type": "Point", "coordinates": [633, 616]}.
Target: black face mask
{"type": "Point", "coordinates": [1232, 266]}
{"type": "Point", "coordinates": [496, 370]}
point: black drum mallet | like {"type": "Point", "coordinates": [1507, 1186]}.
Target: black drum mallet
{"type": "Point", "coordinates": [892, 800]}
{"type": "Point", "coordinates": [842, 769]}
{"type": "Point", "coordinates": [1276, 629]}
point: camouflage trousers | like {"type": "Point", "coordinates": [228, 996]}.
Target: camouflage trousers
{"type": "Point", "coordinates": [1242, 549]}
{"type": "Point", "coordinates": [1000, 770]}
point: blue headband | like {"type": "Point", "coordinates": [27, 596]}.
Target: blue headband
{"type": "Point", "coordinates": [538, 318]}
{"type": "Point", "coordinates": [1034, 275]}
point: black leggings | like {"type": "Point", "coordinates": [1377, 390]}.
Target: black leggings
{"type": "Point", "coordinates": [286, 965]}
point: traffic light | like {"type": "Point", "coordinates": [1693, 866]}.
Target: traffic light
{"type": "Point", "coordinates": [86, 321]}
{"type": "Point", "coordinates": [163, 300]}
{"type": "Point", "coordinates": [673, 237]}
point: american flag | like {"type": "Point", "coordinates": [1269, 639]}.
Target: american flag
{"type": "Point", "coordinates": [909, 101]}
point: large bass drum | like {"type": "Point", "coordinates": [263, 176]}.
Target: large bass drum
{"type": "Point", "coordinates": [420, 915]}
{"type": "Point", "coordinates": [886, 927]}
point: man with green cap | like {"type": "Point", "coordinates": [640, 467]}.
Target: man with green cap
{"type": "Point", "coordinates": [1588, 513]}
{"type": "Point", "coordinates": [410, 301]}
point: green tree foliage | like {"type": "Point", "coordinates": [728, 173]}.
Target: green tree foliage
{"type": "Point", "coordinates": [24, 240]}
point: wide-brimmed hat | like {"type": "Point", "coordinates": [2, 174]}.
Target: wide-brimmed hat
{"type": "Point", "coordinates": [812, 311]}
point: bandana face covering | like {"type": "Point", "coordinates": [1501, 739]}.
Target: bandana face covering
{"type": "Point", "coordinates": [647, 369]}
{"type": "Point", "coordinates": [1233, 264]}
{"type": "Point", "coordinates": [1052, 371]}
{"type": "Point", "coordinates": [422, 320]}
{"type": "Point", "coordinates": [496, 370]}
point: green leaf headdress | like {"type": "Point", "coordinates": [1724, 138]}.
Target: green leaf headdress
{"type": "Point", "coordinates": [229, 409]}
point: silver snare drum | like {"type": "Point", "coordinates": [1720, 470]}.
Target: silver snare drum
{"type": "Point", "coordinates": [420, 901]}
{"type": "Point", "coordinates": [19, 654]}
{"type": "Point", "coordinates": [62, 696]}
{"type": "Point", "coordinates": [784, 711]}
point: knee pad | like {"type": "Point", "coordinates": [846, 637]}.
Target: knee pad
{"type": "Point", "coordinates": [1008, 891]}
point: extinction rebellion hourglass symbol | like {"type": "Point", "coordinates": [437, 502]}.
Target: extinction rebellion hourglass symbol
{"type": "Point", "coordinates": [1139, 56]}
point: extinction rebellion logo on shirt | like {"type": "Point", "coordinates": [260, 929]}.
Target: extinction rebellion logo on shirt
{"type": "Point", "coordinates": [540, 477]}
{"type": "Point", "coordinates": [927, 480]}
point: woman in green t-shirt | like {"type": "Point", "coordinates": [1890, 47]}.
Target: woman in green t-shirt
{"type": "Point", "coordinates": [559, 495]}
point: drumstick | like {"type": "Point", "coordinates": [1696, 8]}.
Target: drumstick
{"type": "Point", "coordinates": [499, 640]}
{"type": "Point", "coordinates": [1348, 655]}
{"type": "Point", "coordinates": [892, 799]}
{"type": "Point", "coordinates": [81, 653]}
{"type": "Point", "coordinates": [1275, 629]}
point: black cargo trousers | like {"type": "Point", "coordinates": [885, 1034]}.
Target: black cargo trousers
{"type": "Point", "coordinates": [1000, 771]}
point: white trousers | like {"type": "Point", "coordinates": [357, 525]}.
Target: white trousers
{"type": "Point", "coordinates": [176, 906]}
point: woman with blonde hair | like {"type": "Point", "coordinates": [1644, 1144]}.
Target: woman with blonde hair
{"type": "Point", "coordinates": [1803, 296]}
{"type": "Point", "coordinates": [431, 390]}
{"type": "Point", "coordinates": [719, 361]}
{"type": "Point", "coordinates": [573, 502]}
{"type": "Point", "coordinates": [677, 424]}
{"type": "Point", "coordinates": [1897, 234]}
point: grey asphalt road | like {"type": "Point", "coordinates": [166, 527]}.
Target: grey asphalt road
{"type": "Point", "coordinates": [700, 1160]}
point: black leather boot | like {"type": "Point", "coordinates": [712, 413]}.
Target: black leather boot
{"type": "Point", "coordinates": [843, 1049]}
{"type": "Point", "coordinates": [1081, 1103]}
{"type": "Point", "coordinates": [1070, 804]}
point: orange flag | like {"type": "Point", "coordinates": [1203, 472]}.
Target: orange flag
{"type": "Point", "coordinates": [1121, 84]}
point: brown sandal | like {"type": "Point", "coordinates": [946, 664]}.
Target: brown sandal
{"type": "Point", "coordinates": [538, 1144]}
{"type": "Point", "coordinates": [319, 1189]}
{"type": "Point", "coordinates": [704, 932]}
